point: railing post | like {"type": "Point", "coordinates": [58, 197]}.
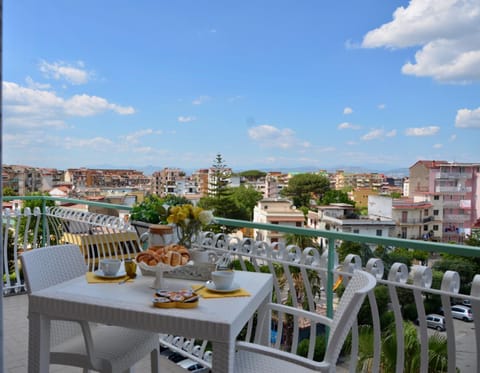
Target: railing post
{"type": "Point", "coordinates": [330, 269]}
{"type": "Point", "coordinates": [44, 221]}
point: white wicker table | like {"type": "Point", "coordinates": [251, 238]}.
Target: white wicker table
{"type": "Point", "coordinates": [217, 320]}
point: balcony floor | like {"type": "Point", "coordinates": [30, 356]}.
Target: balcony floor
{"type": "Point", "coordinates": [15, 310]}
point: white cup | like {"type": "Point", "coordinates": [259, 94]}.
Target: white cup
{"type": "Point", "coordinates": [223, 280]}
{"type": "Point", "coordinates": [110, 267]}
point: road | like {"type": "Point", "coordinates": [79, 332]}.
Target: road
{"type": "Point", "coordinates": [465, 345]}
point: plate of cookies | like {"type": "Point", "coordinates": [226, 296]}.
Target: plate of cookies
{"type": "Point", "coordinates": [175, 299]}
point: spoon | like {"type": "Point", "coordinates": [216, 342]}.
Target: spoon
{"type": "Point", "coordinates": [128, 278]}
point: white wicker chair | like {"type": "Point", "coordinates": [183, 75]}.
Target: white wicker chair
{"type": "Point", "coordinates": [253, 357]}
{"type": "Point", "coordinates": [102, 348]}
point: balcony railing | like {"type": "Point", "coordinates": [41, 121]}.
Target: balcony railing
{"type": "Point", "coordinates": [306, 277]}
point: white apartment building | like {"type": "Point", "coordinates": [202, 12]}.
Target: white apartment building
{"type": "Point", "coordinates": [276, 211]}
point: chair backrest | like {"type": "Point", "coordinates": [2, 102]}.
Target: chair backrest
{"type": "Point", "coordinates": [48, 266]}
{"type": "Point", "coordinates": [346, 312]}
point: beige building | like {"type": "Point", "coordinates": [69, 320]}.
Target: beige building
{"type": "Point", "coordinates": [276, 211]}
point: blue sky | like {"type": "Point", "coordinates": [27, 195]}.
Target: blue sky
{"type": "Point", "coordinates": [268, 84]}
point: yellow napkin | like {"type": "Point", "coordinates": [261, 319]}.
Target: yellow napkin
{"type": "Point", "coordinates": [92, 279]}
{"type": "Point", "coordinates": [206, 293]}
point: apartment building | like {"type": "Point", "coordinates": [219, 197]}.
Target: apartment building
{"type": "Point", "coordinates": [342, 180]}
{"type": "Point", "coordinates": [25, 179]}
{"type": "Point", "coordinates": [276, 211]}
{"type": "Point", "coordinates": [414, 219]}
{"type": "Point", "coordinates": [453, 189]}
{"type": "Point", "coordinates": [165, 181]}
{"type": "Point", "coordinates": [83, 178]}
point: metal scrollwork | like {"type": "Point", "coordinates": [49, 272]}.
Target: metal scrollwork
{"type": "Point", "coordinates": [398, 273]}
{"type": "Point", "coordinates": [375, 267]}
{"type": "Point", "coordinates": [422, 276]}
{"type": "Point", "coordinates": [351, 263]}
{"type": "Point", "coordinates": [451, 282]}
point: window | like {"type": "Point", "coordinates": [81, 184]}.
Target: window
{"type": "Point", "coordinates": [435, 212]}
{"type": "Point", "coordinates": [404, 232]}
{"type": "Point", "coordinates": [404, 216]}
{"type": "Point", "coordinates": [379, 232]}
{"type": "Point", "coordinates": [298, 224]}
{"type": "Point", "coordinates": [425, 227]}
{"type": "Point", "coordinates": [356, 231]}
{"type": "Point", "coordinates": [436, 198]}
{"type": "Point", "coordinates": [425, 212]}
{"type": "Point", "coordinates": [435, 227]}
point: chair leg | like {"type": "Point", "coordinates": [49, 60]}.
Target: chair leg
{"type": "Point", "coordinates": [155, 360]}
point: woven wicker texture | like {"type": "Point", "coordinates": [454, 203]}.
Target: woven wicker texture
{"type": "Point", "coordinates": [262, 359]}
{"type": "Point", "coordinates": [114, 349]}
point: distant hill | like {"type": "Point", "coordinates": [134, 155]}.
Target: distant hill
{"type": "Point", "coordinates": [398, 172]}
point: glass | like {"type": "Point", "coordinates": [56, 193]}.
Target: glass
{"type": "Point", "coordinates": [130, 267]}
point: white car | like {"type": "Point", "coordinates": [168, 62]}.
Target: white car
{"type": "Point", "coordinates": [192, 366]}
{"type": "Point", "coordinates": [462, 312]}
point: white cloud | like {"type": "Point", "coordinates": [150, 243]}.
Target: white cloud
{"type": "Point", "coordinates": [134, 138]}
{"type": "Point", "coordinates": [186, 119]}
{"type": "Point", "coordinates": [347, 125]}
{"type": "Point", "coordinates": [438, 146]}
{"type": "Point", "coordinates": [201, 100]}
{"type": "Point", "coordinates": [378, 134]}
{"type": "Point", "coordinates": [467, 118]}
{"type": "Point", "coordinates": [422, 131]}
{"type": "Point", "coordinates": [453, 137]}
{"type": "Point", "coordinates": [35, 85]}
{"type": "Point", "coordinates": [447, 32]}
{"type": "Point", "coordinates": [28, 107]}
{"type": "Point", "coordinates": [84, 105]}
{"type": "Point", "coordinates": [381, 106]}
{"type": "Point", "coordinates": [347, 110]}
{"type": "Point", "coordinates": [271, 136]}
{"type": "Point", "coordinates": [97, 143]}
{"type": "Point", "coordinates": [62, 71]}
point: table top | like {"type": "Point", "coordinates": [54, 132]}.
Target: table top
{"type": "Point", "coordinates": [130, 305]}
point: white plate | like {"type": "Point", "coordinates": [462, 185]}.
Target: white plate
{"type": "Point", "coordinates": [99, 273]}
{"type": "Point", "coordinates": [211, 286]}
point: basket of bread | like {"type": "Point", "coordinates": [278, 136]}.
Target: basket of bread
{"type": "Point", "coordinates": [159, 259]}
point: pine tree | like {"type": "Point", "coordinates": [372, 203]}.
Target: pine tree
{"type": "Point", "coordinates": [219, 179]}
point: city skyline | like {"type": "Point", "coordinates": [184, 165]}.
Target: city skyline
{"type": "Point", "coordinates": [377, 85]}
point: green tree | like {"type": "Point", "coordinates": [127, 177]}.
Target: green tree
{"type": "Point", "coordinates": [218, 186]}
{"type": "Point", "coordinates": [302, 188]}
{"type": "Point", "coordinates": [336, 196]}
{"type": "Point", "coordinates": [8, 191]}
{"type": "Point", "coordinates": [223, 207]}
{"type": "Point", "coordinates": [252, 174]}
{"type": "Point", "coordinates": [246, 198]}
{"type": "Point", "coordinates": [23, 231]}
{"type": "Point", "coordinates": [358, 248]}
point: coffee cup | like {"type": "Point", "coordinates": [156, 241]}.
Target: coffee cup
{"type": "Point", "coordinates": [223, 280]}
{"type": "Point", "coordinates": [110, 267]}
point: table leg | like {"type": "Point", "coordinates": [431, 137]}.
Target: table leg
{"type": "Point", "coordinates": [38, 343]}
{"type": "Point", "coordinates": [223, 357]}
{"type": "Point", "coordinates": [262, 336]}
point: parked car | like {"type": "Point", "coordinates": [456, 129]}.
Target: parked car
{"type": "Point", "coordinates": [192, 366]}
{"type": "Point", "coordinates": [462, 312]}
{"type": "Point", "coordinates": [435, 321]}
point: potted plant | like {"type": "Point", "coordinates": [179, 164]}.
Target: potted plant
{"type": "Point", "coordinates": [152, 210]}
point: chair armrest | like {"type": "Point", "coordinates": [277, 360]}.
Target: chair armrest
{"type": "Point", "coordinates": [299, 312]}
{"type": "Point", "coordinates": [283, 355]}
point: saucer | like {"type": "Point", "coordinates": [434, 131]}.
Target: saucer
{"type": "Point", "coordinates": [99, 273]}
{"type": "Point", "coordinates": [211, 286]}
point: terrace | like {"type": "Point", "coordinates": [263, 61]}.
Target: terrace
{"type": "Point", "coordinates": [306, 277]}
